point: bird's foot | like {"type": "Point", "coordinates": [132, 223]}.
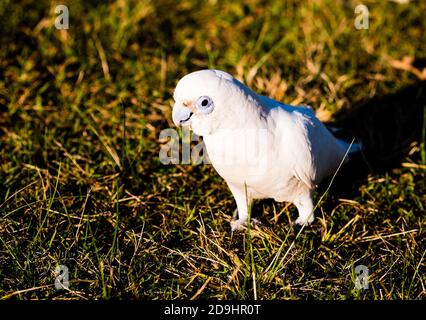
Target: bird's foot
{"type": "Point", "coordinates": [241, 225]}
{"type": "Point", "coordinates": [300, 221]}
{"type": "Point", "coordinates": [237, 225]}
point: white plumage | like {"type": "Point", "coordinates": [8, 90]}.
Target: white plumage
{"type": "Point", "coordinates": [261, 147]}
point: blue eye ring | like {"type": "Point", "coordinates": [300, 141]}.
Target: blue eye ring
{"type": "Point", "coordinates": [205, 104]}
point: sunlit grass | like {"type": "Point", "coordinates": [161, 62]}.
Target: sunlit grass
{"type": "Point", "coordinates": [80, 180]}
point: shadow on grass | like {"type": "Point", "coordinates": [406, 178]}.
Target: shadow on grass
{"type": "Point", "coordinates": [387, 126]}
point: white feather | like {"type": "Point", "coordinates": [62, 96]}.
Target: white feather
{"type": "Point", "coordinates": [261, 147]}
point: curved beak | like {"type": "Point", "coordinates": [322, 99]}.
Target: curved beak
{"type": "Point", "coordinates": [181, 115]}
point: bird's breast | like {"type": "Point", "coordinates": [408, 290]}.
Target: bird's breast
{"type": "Point", "coordinates": [245, 157]}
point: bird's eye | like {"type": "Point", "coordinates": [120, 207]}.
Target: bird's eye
{"type": "Point", "coordinates": [205, 104]}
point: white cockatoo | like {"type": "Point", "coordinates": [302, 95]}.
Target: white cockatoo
{"type": "Point", "coordinates": [261, 147]}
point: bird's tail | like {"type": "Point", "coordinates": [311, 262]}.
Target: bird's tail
{"type": "Point", "coordinates": [355, 146]}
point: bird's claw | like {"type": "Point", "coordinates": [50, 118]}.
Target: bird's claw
{"type": "Point", "coordinates": [255, 222]}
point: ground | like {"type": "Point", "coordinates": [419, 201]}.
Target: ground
{"type": "Point", "coordinates": [81, 183]}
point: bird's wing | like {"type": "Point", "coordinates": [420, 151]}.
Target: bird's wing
{"type": "Point", "coordinates": [310, 150]}
{"type": "Point", "coordinates": [316, 151]}
{"type": "Point", "coordinates": [297, 147]}
{"type": "Point", "coordinates": [292, 135]}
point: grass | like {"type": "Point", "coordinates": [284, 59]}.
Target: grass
{"type": "Point", "coordinates": [81, 183]}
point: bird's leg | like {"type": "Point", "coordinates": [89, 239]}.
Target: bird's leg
{"type": "Point", "coordinates": [235, 215]}
{"type": "Point", "coordinates": [242, 202]}
{"type": "Point", "coordinates": [305, 207]}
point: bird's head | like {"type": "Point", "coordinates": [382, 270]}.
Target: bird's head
{"type": "Point", "coordinates": [202, 100]}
